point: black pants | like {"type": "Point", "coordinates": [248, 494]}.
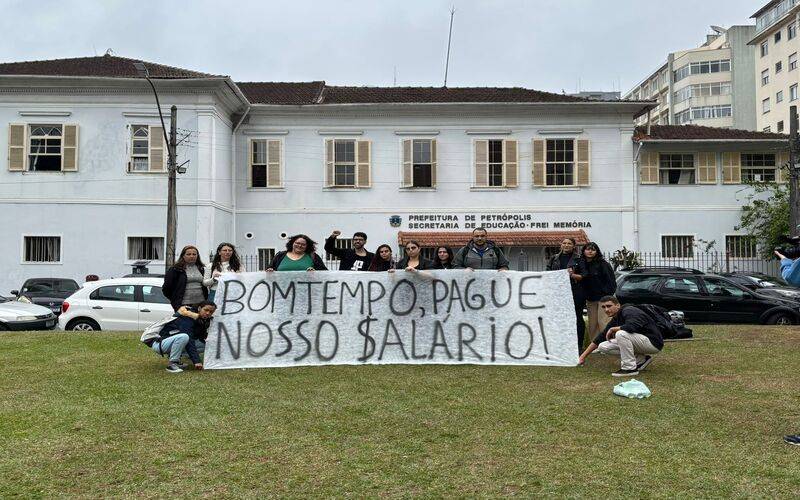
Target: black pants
{"type": "Point", "coordinates": [580, 324]}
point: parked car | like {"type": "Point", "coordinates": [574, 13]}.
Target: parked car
{"type": "Point", "coordinates": [764, 284]}
{"type": "Point", "coordinates": [705, 298]}
{"type": "Point", "coordinates": [22, 316]}
{"type": "Point", "coordinates": [115, 304]}
{"type": "Point", "coordinates": [47, 292]}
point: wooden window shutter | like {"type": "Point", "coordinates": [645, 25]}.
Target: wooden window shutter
{"type": "Point", "coordinates": [481, 163]}
{"type": "Point", "coordinates": [731, 168]}
{"type": "Point", "coordinates": [363, 177]}
{"type": "Point", "coordinates": [510, 163]}
{"type": "Point", "coordinates": [329, 171]}
{"type": "Point", "coordinates": [538, 162]}
{"type": "Point", "coordinates": [583, 156]}
{"type": "Point", "coordinates": [69, 149]}
{"type": "Point", "coordinates": [250, 148]}
{"type": "Point", "coordinates": [274, 164]}
{"type": "Point", "coordinates": [16, 147]}
{"type": "Point", "coordinates": [706, 168]}
{"type": "Point", "coordinates": [648, 167]}
{"type": "Point", "coordinates": [783, 171]}
{"type": "Point", "coordinates": [157, 162]}
{"type": "Point", "coordinates": [433, 162]}
{"type": "Point", "coordinates": [408, 164]}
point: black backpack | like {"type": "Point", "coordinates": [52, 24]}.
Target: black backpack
{"type": "Point", "coordinates": [666, 324]}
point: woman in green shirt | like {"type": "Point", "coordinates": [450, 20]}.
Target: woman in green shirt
{"type": "Point", "coordinates": [300, 255]}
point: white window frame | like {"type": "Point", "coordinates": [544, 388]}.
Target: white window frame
{"type": "Point", "coordinates": [734, 235]}
{"type": "Point", "coordinates": [574, 162]}
{"type": "Point", "coordinates": [258, 257]}
{"type": "Point", "coordinates": [671, 153]}
{"type": "Point", "coordinates": [354, 185]}
{"type": "Point", "coordinates": [250, 164]}
{"type": "Point", "coordinates": [131, 155]}
{"type": "Point", "coordinates": [764, 47]}
{"type": "Point", "coordinates": [750, 168]}
{"type": "Point", "coordinates": [681, 235]}
{"type": "Point", "coordinates": [765, 106]}
{"type": "Point", "coordinates": [765, 77]}
{"type": "Point", "coordinates": [778, 96]}
{"type": "Point", "coordinates": [793, 93]}
{"type": "Point", "coordinates": [791, 31]}
{"type": "Point", "coordinates": [413, 163]}
{"type": "Point", "coordinates": [29, 137]}
{"type": "Point", "coordinates": [778, 67]}
{"type": "Point", "coordinates": [129, 261]}
{"type": "Point", "coordinates": [793, 61]}
{"type": "Point", "coordinates": [42, 235]}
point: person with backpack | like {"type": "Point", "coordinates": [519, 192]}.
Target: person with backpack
{"type": "Point", "coordinates": [480, 253]}
{"type": "Point", "coordinates": [184, 332]}
{"type": "Point", "coordinates": [632, 334]}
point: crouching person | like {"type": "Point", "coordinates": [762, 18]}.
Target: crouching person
{"type": "Point", "coordinates": [631, 334]}
{"type": "Point", "coordinates": [183, 333]}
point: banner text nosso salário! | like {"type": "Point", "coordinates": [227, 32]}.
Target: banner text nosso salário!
{"type": "Point", "coordinates": [483, 317]}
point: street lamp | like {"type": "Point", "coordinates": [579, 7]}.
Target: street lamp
{"type": "Point", "coordinates": [172, 212]}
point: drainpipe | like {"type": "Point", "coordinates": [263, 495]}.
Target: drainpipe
{"type": "Point", "coordinates": [233, 173]}
{"type": "Point", "coordinates": [636, 194]}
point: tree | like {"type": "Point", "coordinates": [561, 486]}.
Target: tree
{"type": "Point", "coordinates": [766, 215]}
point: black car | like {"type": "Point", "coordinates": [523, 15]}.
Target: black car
{"type": "Point", "coordinates": [705, 298]}
{"type": "Point", "coordinates": [764, 284]}
{"type": "Point", "coordinates": [47, 292]}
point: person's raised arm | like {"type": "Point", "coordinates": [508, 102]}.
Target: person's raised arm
{"type": "Point", "coordinates": [330, 245]}
{"type": "Point", "coordinates": [790, 270]}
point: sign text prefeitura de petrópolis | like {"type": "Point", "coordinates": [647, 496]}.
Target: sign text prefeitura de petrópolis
{"type": "Point", "coordinates": [286, 319]}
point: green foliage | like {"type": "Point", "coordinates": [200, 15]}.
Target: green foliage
{"type": "Point", "coordinates": [766, 215]}
{"type": "Point", "coordinates": [625, 259]}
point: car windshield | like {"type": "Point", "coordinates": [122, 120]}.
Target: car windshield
{"type": "Point", "coordinates": [768, 281]}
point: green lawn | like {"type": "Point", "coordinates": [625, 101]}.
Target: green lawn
{"type": "Point", "coordinates": [96, 415]}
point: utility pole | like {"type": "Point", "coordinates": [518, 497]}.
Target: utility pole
{"type": "Point", "coordinates": [172, 204]}
{"type": "Point", "coordinates": [794, 173]}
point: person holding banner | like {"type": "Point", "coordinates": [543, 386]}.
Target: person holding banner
{"type": "Point", "coordinates": [300, 255]}
{"type": "Point", "coordinates": [382, 261]}
{"type": "Point", "coordinates": [444, 258]}
{"type": "Point", "coordinates": [480, 253]}
{"type": "Point", "coordinates": [630, 334]}
{"type": "Point", "coordinates": [413, 261]}
{"type": "Point", "coordinates": [597, 281]}
{"type": "Point", "coordinates": [183, 282]}
{"type": "Point", "coordinates": [226, 259]}
{"type": "Point", "coordinates": [181, 334]}
{"type": "Point", "coordinates": [569, 259]}
{"type": "Point", "coordinates": [355, 259]}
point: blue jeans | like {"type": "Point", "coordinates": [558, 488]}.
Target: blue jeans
{"type": "Point", "coordinates": [174, 346]}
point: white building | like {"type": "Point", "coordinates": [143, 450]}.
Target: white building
{"type": "Point", "coordinates": [84, 188]}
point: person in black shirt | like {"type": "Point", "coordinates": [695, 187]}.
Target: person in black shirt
{"type": "Point", "coordinates": [383, 260]}
{"type": "Point", "coordinates": [413, 261]}
{"type": "Point", "coordinates": [444, 258]}
{"type": "Point", "coordinates": [355, 259]}
{"type": "Point", "coordinates": [569, 259]}
{"type": "Point", "coordinates": [597, 281]}
{"type": "Point", "coordinates": [631, 334]}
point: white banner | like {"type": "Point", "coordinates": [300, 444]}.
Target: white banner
{"type": "Point", "coordinates": [286, 319]}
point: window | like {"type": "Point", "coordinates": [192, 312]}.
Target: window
{"type": "Point", "coordinates": [422, 163]}
{"type": "Point", "coordinates": [42, 249]}
{"type": "Point", "coordinates": [740, 246]}
{"type": "Point", "coordinates": [145, 248]}
{"type": "Point", "coordinates": [793, 62]}
{"type": "Point", "coordinates": [344, 163]}
{"type": "Point", "coordinates": [779, 96]}
{"type": "Point", "coordinates": [702, 90]}
{"type": "Point", "coordinates": [758, 167]}
{"type": "Point", "coordinates": [258, 165]}
{"type": "Point", "coordinates": [265, 256]}
{"type": "Point", "coordinates": [765, 77]}
{"type": "Point", "coordinates": [777, 36]}
{"type": "Point", "coordinates": [153, 295]}
{"type": "Point", "coordinates": [45, 148]}
{"type": "Point", "coordinates": [343, 243]}
{"type": "Point", "coordinates": [791, 31]}
{"type": "Point", "coordinates": [639, 283]}
{"type": "Point", "coordinates": [780, 126]}
{"type": "Point", "coordinates": [721, 288]}
{"type": "Point", "coordinates": [140, 148]}
{"type": "Point", "coordinates": [116, 293]}
{"type": "Point", "coordinates": [676, 169]}
{"type": "Point", "coordinates": [677, 246]}
{"type": "Point", "coordinates": [778, 67]}
{"type": "Point", "coordinates": [765, 105]}
{"type": "Point", "coordinates": [793, 92]}
{"type": "Point", "coordinates": [764, 48]}
{"type": "Point", "coordinates": [496, 163]}
{"type": "Point", "coordinates": [685, 286]}
{"type": "Point", "coordinates": [265, 163]}
{"type": "Point", "coordinates": [767, 129]}
{"type": "Point", "coordinates": [699, 68]}
{"type": "Point", "coordinates": [560, 162]}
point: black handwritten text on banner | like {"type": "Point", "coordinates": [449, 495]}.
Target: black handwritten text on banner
{"type": "Point", "coordinates": [454, 317]}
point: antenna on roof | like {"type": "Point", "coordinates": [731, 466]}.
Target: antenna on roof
{"type": "Point", "coordinates": [449, 38]}
{"type": "Point", "coordinates": [94, 49]}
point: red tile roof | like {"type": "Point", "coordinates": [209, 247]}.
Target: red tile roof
{"type": "Point", "coordinates": [500, 238]}
{"type": "Point", "coordinates": [99, 66]}
{"type": "Point", "coordinates": [697, 132]}
{"type": "Point", "coordinates": [319, 93]}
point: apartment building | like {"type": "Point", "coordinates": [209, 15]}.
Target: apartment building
{"type": "Point", "coordinates": [776, 47]}
{"type": "Point", "coordinates": [711, 85]}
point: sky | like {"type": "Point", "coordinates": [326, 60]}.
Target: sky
{"type": "Point", "coordinates": [542, 44]}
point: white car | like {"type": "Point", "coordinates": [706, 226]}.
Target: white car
{"type": "Point", "coordinates": [115, 304]}
{"type": "Point", "coordinates": [15, 315]}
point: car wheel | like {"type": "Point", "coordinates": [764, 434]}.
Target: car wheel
{"type": "Point", "coordinates": [781, 319]}
{"type": "Point", "coordinates": [83, 325]}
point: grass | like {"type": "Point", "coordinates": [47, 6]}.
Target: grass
{"type": "Point", "coordinates": [95, 415]}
